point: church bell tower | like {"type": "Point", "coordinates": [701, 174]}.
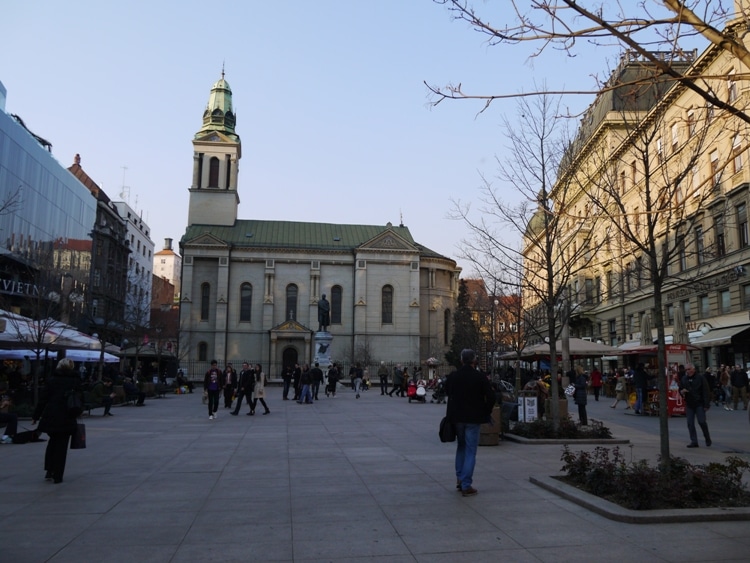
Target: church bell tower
{"type": "Point", "coordinates": [216, 154]}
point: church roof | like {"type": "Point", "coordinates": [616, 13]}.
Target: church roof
{"type": "Point", "coordinates": [253, 233]}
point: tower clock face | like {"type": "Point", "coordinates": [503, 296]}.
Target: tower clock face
{"type": "Point", "coordinates": [214, 138]}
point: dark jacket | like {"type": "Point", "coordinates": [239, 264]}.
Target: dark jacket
{"type": "Point", "coordinates": [738, 377]}
{"type": "Point", "coordinates": [52, 409]}
{"type": "Point", "coordinates": [317, 375]}
{"type": "Point", "coordinates": [470, 396]}
{"type": "Point", "coordinates": [697, 391]}
{"type": "Point", "coordinates": [640, 378]}
{"type": "Point", "coordinates": [580, 397]}
{"type": "Point", "coordinates": [219, 378]}
{"type": "Point", "coordinates": [247, 380]}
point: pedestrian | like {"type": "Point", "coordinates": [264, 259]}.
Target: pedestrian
{"type": "Point", "coordinates": [357, 378]}
{"type": "Point", "coordinates": [230, 385]}
{"type": "Point", "coordinates": [640, 381]}
{"type": "Point", "coordinates": [726, 387]}
{"type": "Point", "coordinates": [286, 377]}
{"type": "Point", "coordinates": [7, 418]}
{"type": "Point", "coordinates": [621, 390]}
{"type": "Point", "coordinates": [404, 381]}
{"type": "Point", "coordinates": [397, 381]}
{"type": "Point", "coordinates": [697, 395]}
{"type": "Point", "coordinates": [296, 375]}
{"type": "Point", "coordinates": [739, 380]}
{"type": "Point", "coordinates": [333, 379]}
{"type": "Point", "coordinates": [245, 388]}
{"type": "Point", "coordinates": [56, 419]}
{"type": "Point", "coordinates": [596, 382]}
{"type": "Point", "coordinates": [212, 384]}
{"type": "Point", "coordinates": [580, 397]}
{"type": "Point", "coordinates": [305, 382]}
{"type": "Point", "coordinates": [316, 375]}
{"type": "Point", "coordinates": [470, 403]}
{"type": "Point", "coordinates": [383, 376]}
{"type": "Point", "coordinates": [259, 391]}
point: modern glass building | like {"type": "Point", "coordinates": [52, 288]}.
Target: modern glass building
{"type": "Point", "coordinates": [46, 220]}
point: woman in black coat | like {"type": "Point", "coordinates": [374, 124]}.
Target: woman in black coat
{"type": "Point", "coordinates": [580, 397]}
{"type": "Point", "coordinates": [54, 418]}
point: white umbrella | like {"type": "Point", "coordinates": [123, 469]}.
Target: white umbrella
{"type": "Point", "coordinates": [679, 332]}
{"type": "Point", "coordinates": [646, 339]}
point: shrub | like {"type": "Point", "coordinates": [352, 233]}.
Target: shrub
{"type": "Point", "coordinates": [568, 430]}
{"type": "Point", "coordinates": [640, 487]}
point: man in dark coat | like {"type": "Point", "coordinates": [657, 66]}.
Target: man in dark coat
{"type": "Point", "coordinates": [56, 419]}
{"type": "Point", "coordinates": [738, 379]}
{"type": "Point", "coordinates": [697, 395]}
{"type": "Point", "coordinates": [244, 387]}
{"type": "Point", "coordinates": [316, 375]}
{"type": "Point", "coordinates": [470, 403]}
{"type": "Point", "coordinates": [640, 381]}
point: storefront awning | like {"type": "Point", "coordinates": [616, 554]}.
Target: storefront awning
{"type": "Point", "coordinates": [719, 336]}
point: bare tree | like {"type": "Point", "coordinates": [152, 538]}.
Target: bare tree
{"type": "Point", "coordinates": [647, 29]}
{"type": "Point", "coordinates": [557, 240]}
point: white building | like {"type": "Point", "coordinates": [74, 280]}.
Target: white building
{"type": "Point", "coordinates": [168, 265]}
{"type": "Point", "coordinates": [140, 264]}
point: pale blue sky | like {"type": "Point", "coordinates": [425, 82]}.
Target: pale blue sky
{"type": "Point", "coordinates": [329, 96]}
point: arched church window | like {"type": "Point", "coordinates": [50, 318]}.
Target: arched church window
{"type": "Point", "coordinates": [246, 302]}
{"type": "Point", "coordinates": [213, 173]}
{"type": "Point", "coordinates": [387, 305]}
{"type": "Point", "coordinates": [291, 302]}
{"type": "Point", "coordinates": [205, 300]}
{"type": "Point", "coordinates": [202, 352]}
{"type": "Point", "coordinates": [336, 298]}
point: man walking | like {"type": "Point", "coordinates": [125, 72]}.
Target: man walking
{"type": "Point", "coordinates": [470, 403]}
{"type": "Point", "coordinates": [245, 388]}
{"type": "Point", "coordinates": [383, 375]}
{"type": "Point", "coordinates": [316, 374]}
{"type": "Point", "coordinates": [212, 385]}
{"type": "Point", "coordinates": [697, 395]}
{"type": "Point", "coordinates": [398, 380]}
{"type": "Point", "coordinates": [738, 378]}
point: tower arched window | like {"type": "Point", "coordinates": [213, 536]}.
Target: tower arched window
{"type": "Point", "coordinates": [213, 173]}
{"type": "Point", "coordinates": [387, 305]}
{"type": "Point", "coordinates": [446, 327]}
{"type": "Point", "coordinates": [205, 300]}
{"type": "Point", "coordinates": [291, 302]}
{"type": "Point", "coordinates": [202, 352]}
{"type": "Point", "coordinates": [336, 298]}
{"type": "Point", "coordinates": [246, 302]}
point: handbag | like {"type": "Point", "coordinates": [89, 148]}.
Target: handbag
{"type": "Point", "coordinates": [570, 390]}
{"type": "Point", "coordinates": [447, 431]}
{"type": "Point", "coordinates": [78, 441]}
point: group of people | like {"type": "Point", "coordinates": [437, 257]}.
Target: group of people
{"type": "Point", "coordinates": [249, 385]}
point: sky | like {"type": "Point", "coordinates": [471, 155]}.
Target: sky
{"type": "Point", "coordinates": [331, 105]}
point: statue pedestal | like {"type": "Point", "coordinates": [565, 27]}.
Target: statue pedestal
{"type": "Point", "coordinates": [322, 353]}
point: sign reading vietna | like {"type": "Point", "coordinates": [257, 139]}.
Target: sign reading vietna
{"type": "Point", "coordinates": [18, 288]}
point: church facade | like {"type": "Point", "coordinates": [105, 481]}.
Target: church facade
{"type": "Point", "coordinates": [251, 287]}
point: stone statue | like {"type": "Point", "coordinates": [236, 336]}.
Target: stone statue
{"type": "Point", "coordinates": [324, 314]}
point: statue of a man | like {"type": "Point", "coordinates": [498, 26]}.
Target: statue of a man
{"type": "Point", "coordinates": [324, 314]}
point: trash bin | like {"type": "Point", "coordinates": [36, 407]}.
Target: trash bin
{"type": "Point", "coordinates": [489, 434]}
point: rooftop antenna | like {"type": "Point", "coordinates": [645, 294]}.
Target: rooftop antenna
{"type": "Point", "coordinates": [125, 191]}
{"type": "Point", "coordinates": [401, 215]}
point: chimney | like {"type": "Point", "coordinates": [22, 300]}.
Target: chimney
{"type": "Point", "coordinates": [167, 244]}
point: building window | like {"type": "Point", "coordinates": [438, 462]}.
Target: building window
{"type": "Point", "coordinates": [659, 150]}
{"type": "Point", "coordinates": [387, 304]}
{"type": "Point", "coordinates": [246, 302]}
{"type": "Point", "coordinates": [724, 302]}
{"type": "Point", "coordinates": [613, 332]}
{"type": "Point", "coordinates": [202, 352]}
{"type": "Point", "coordinates": [97, 277]}
{"type": "Point", "coordinates": [682, 256]}
{"type": "Point", "coordinates": [715, 172]}
{"type": "Point", "coordinates": [631, 323]}
{"type": "Point", "coordinates": [670, 314]}
{"type": "Point", "coordinates": [700, 246]}
{"type": "Point", "coordinates": [746, 296]}
{"type": "Point", "coordinates": [686, 309]}
{"type": "Point", "coordinates": [731, 87]}
{"type": "Point", "coordinates": [719, 232]}
{"type": "Point", "coordinates": [633, 169]}
{"type": "Point", "coordinates": [742, 234]}
{"type": "Point", "coordinates": [736, 154]}
{"type": "Point", "coordinates": [205, 296]}
{"type": "Point", "coordinates": [675, 136]}
{"type": "Point", "coordinates": [691, 122]}
{"type": "Point", "coordinates": [622, 182]}
{"type": "Point", "coordinates": [291, 302]}
{"type": "Point", "coordinates": [705, 306]}
{"type": "Point", "coordinates": [213, 173]}
{"type": "Point", "coordinates": [336, 301]}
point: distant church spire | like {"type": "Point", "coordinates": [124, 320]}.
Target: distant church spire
{"type": "Point", "coordinates": [219, 115]}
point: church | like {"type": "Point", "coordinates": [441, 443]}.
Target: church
{"type": "Point", "coordinates": [250, 288]}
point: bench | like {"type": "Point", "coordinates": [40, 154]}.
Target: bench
{"type": "Point", "coordinates": [89, 403]}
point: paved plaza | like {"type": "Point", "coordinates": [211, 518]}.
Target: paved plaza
{"type": "Point", "coordinates": [342, 480]}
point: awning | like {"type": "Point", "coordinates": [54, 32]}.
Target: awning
{"type": "Point", "coordinates": [90, 356]}
{"type": "Point", "coordinates": [719, 336]}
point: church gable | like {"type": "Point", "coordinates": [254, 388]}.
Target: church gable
{"type": "Point", "coordinates": [213, 137]}
{"type": "Point", "coordinates": [389, 241]}
{"type": "Point", "coordinates": [290, 326]}
{"type": "Point", "coordinates": [206, 239]}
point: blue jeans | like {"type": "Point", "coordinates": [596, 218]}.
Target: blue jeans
{"type": "Point", "coordinates": [467, 441]}
{"type": "Point", "coordinates": [305, 395]}
{"type": "Point", "coordinates": [691, 413]}
{"type": "Point", "coordinates": [638, 400]}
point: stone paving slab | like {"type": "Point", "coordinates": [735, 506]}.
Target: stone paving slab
{"type": "Point", "coordinates": [343, 480]}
